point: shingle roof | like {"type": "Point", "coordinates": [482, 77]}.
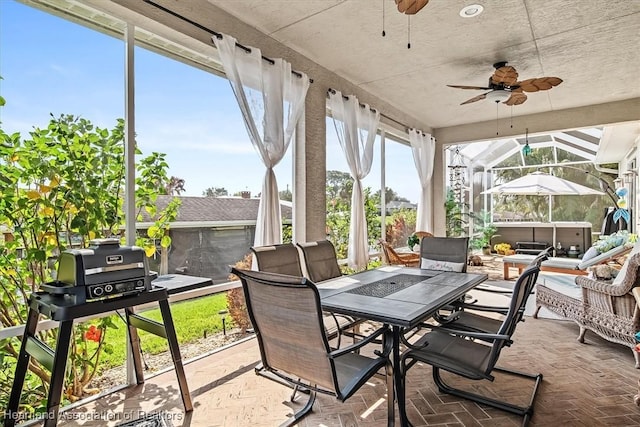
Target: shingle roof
{"type": "Point", "coordinates": [214, 209]}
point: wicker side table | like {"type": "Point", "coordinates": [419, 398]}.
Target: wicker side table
{"type": "Point", "coordinates": [636, 294]}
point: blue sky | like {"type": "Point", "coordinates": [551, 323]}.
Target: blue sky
{"type": "Point", "coordinates": [50, 65]}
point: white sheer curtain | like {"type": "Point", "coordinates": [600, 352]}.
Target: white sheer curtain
{"type": "Point", "coordinates": [423, 148]}
{"type": "Point", "coordinates": [271, 100]}
{"type": "Point", "coordinates": [356, 127]}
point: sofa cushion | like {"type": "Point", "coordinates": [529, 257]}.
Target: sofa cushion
{"type": "Point", "coordinates": [592, 252]}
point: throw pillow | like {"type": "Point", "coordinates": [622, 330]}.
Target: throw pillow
{"type": "Point", "coordinates": [433, 264]}
{"type": "Point", "coordinates": [592, 252]}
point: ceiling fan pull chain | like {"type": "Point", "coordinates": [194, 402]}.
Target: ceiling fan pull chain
{"type": "Point", "coordinates": [383, 32]}
{"type": "Point", "coordinates": [497, 133]}
{"type": "Point", "coordinates": [409, 32]}
{"type": "Point", "coordinates": [511, 118]}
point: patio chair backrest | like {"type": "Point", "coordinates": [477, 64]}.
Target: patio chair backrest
{"type": "Point", "coordinates": [281, 259]}
{"type": "Point", "coordinates": [447, 249]}
{"type": "Point", "coordinates": [286, 314]}
{"type": "Point", "coordinates": [320, 260]}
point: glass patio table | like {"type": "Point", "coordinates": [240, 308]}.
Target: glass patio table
{"type": "Point", "coordinates": [401, 297]}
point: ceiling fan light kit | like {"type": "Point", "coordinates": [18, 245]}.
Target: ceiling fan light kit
{"type": "Point", "coordinates": [498, 95]}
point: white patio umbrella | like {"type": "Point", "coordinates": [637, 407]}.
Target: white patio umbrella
{"type": "Point", "coordinates": [542, 184]}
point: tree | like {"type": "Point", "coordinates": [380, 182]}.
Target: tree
{"type": "Point", "coordinates": [61, 187]}
{"type": "Point", "coordinates": [175, 186]}
{"type": "Point", "coordinates": [339, 187]}
{"type": "Point", "coordinates": [286, 195]}
{"type": "Point", "coordinates": [455, 218]}
{"type": "Point", "coordinates": [390, 196]}
{"type": "Point", "coordinates": [215, 192]}
{"type": "Point", "coordinates": [339, 217]}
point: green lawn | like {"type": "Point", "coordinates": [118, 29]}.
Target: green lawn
{"type": "Point", "coordinates": [192, 319]}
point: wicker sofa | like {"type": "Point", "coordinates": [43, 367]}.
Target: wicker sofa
{"type": "Point", "coordinates": [606, 308]}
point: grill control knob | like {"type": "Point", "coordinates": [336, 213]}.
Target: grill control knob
{"type": "Point", "coordinates": [97, 291]}
{"type": "Point", "coordinates": [108, 288]}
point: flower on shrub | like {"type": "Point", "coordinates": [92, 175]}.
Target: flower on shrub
{"type": "Point", "coordinates": [502, 248]}
{"type": "Point", "coordinates": [93, 333]}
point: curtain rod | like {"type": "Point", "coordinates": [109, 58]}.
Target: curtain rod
{"type": "Point", "coordinates": [212, 32]}
{"type": "Point", "coordinates": [405, 127]}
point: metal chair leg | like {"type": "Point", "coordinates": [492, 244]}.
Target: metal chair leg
{"type": "Point", "coordinates": [525, 411]}
{"type": "Point", "coordinates": [302, 412]}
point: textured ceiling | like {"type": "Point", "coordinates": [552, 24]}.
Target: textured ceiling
{"type": "Point", "coordinates": [594, 46]}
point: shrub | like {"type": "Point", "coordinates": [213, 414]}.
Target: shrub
{"type": "Point", "coordinates": [235, 298]}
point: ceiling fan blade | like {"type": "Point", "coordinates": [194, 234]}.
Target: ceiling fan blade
{"type": "Point", "coordinates": [469, 87]}
{"type": "Point", "coordinates": [476, 98]}
{"type": "Point", "coordinates": [541, 83]}
{"type": "Point", "coordinates": [410, 7]}
{"type": "Point", "coordinates": [516, 98]}
{"type": "Point", "coordinates": [506, 75]}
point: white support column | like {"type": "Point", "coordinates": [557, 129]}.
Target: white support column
{"type": "Point", "coordinates": [383, 188]}
{"type": "Point", "coordinates": [129, 161]}
{"type": "Point", "coordinates": [129, 135]}
{"type": "Point", "coordinates": [299, 183]}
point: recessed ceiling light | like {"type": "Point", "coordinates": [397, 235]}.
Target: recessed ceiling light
{"type": "Point", "coordinates": [471, 11]}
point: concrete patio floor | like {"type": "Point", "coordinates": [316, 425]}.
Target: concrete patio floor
{"type": "Point", "coordinates": [590, 384]}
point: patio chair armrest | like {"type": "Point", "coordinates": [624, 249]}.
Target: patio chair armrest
{"type": "Point", "coordinates": [599, 286]}
{"type": "Point", "coordinates": [468, 334]}
{"type": "Point", "coordinates": [493, 290]}
{"type": "Point", "coordinates": [480, 307]}
{"type": "Point", "coordinates": [366, 340]}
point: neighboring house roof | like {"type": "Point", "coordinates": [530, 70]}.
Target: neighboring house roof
{"type": "Point", "coordinates": [401, 205]}
{"type": "Point", "coordinates": [202, 211]}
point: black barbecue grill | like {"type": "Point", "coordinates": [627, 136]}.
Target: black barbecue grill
{"type": "Point", "coordinates": [103, 270]}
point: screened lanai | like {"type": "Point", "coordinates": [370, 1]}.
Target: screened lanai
{"type": "Point", "coordinates": [590, 119]}
{"type": "Point", "coordinates": [571, 154]}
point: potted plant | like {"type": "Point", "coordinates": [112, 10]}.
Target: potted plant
{"type": "Point", "coordinates": [485, 231]}
{"type": "Point", "coordinates": [413, 240]}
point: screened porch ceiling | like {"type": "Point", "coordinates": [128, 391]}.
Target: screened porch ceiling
{"type": "Point", "coordinates": [584, 143]}
{"type": "Point", "coordinates": [595, 112]}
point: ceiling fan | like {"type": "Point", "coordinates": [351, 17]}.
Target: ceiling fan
{"type": "Point", "coordinates": [504, 86]}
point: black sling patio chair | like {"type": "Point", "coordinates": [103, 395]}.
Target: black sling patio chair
{"type": "Point", "coordinates": [281, 259]}
{"type": "Point", "coordinates": [468, 316]}
{"type": "Point", "coordinates": [450, 251]}
{"type": "Point", "coordinates": [287, 316]}
{"type": "Point", "coordinates": [285, 259]}
{"type": "Point", "coordinates": [320, 260]}
{"type": "Point", "coordinates": [445, 253]}
{"type": "Point", "coordinates": [474, 355]}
